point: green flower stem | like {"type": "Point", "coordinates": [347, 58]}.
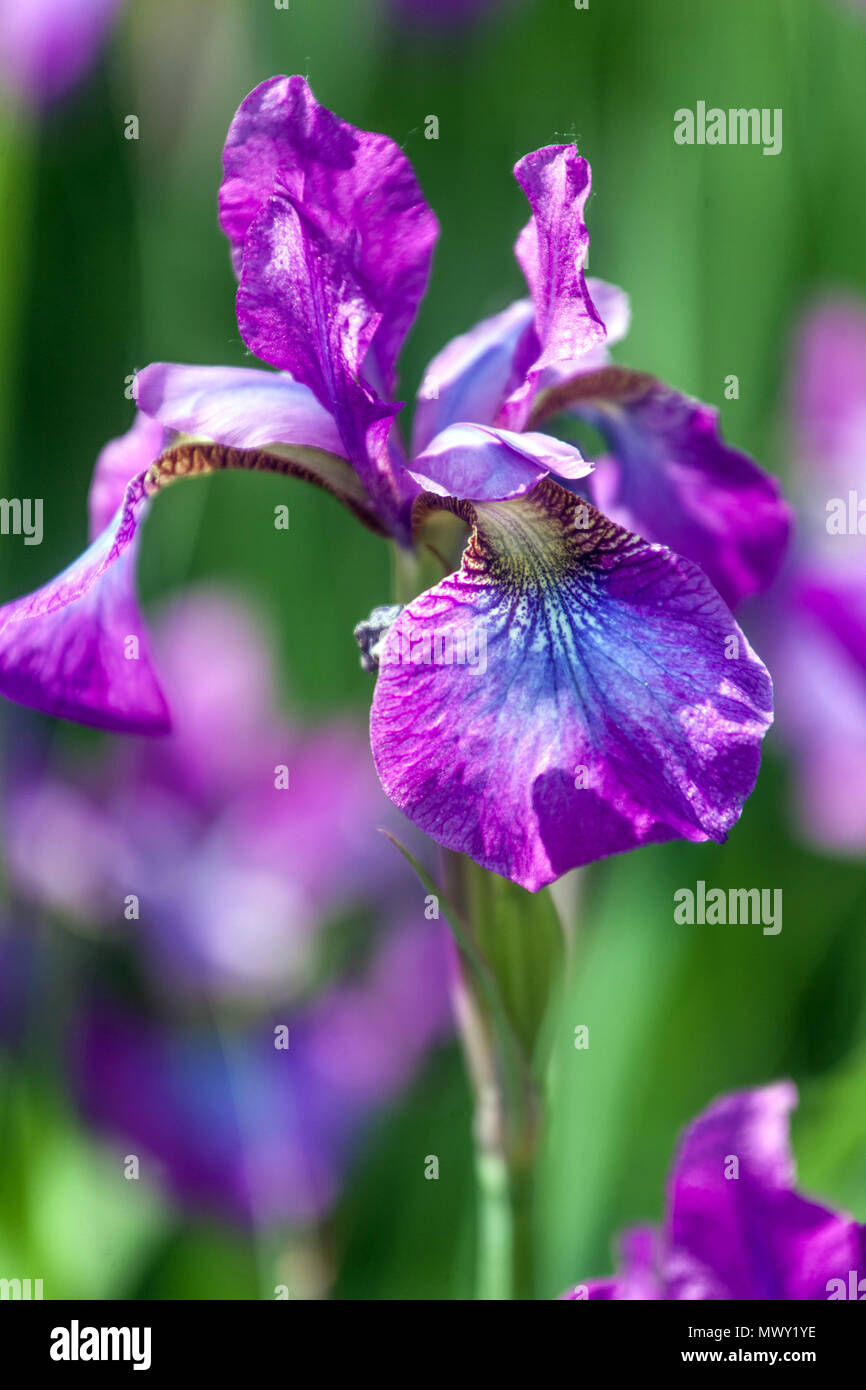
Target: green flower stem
{"type": "Point", "coordinates": [508, 1106]}
{"type": "Point", "coordinates": [509, 951]}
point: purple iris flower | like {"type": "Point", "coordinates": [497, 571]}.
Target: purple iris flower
{"type": "Point", "coordinates": [46, 47]}
{"type": "Point", "coordinates": [736, 1228]}
{"type": "Point", "coordinates": [816, 616]}
{"type": "Point", "coordinates": [618, 703]}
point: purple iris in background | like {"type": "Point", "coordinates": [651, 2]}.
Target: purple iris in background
{"type": "Point", "coordinates": [260, 1124]}
{"type": "Point", "coordinates": [816, 616]}
{"type": "Point", "coordinates": [46, 46]}
{"type": "Point", "coordinates": [245, 894]}
{"type": "Point", "coordinates": [736, 1228]}
{"type": "Point", "coordinates": [618, 703]}
{"type": "Point", "coordinates": [240, 834]}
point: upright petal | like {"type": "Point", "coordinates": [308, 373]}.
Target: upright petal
{"type": "Point", "coordinates": [470, 379]}
{"type": "Point", "coordinates": [672, 477]}
{"type": "Point", "coordinates": [302, 308]}
{"type": "Point", "coordinates": [742, 1232]}
{"type": "Point", "coordinates": [552, 250]}
{"type": "Point", "coordinates": [472, 375]}
{"type": "Point", "coordinates": [358, 186]}
{"type": "Point", "coordinates": [572, 692]}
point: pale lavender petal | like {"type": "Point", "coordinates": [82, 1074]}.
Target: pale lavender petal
{"type": "Point", "coordinates": [471, 377]}
{"type": "Point", "coordinates": [738, 1230]}
{"type": "Point", "coordinates": [552, 250]}
{"type": "Point", "coordinates": [238, 406]}
{"type": "Point", "coordinates": [475, 461]}
{"type": "Point", "coordinates": [358, 186]}
{"type": "Point", "coordinates": [567, 695]}
{"type": "Point", "coordinates": [613, 307]}
{"type": "Point", "coordinates": [469, 380]}
{"type": "Point", "coordinates": [46, 47]}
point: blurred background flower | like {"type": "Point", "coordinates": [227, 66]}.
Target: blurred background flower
{"type": "Point", "coordinates": [263, 979]}
{"type": "Point", "coordinates": [816, 619]}
{"type": "Point", "coordinates": [45, 48]}
{"type": "Point", "coordinates": [240, 833]}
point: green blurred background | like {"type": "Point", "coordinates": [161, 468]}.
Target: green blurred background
{"type": "Point", "coordinates": [110, 257]}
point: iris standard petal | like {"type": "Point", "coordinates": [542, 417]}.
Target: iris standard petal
{"type": "Point", "coordinates": [573, 691]}
{"type": "Point", "coordinates": [552, 250]}
{"type": "Point", "coordinates": [475, 461]}
{"type": "Point", "coordinates": [359, 186]}
{"type": "Point", "coordinates": [613, 307]}
{"type": "Point", "coordinates": [472, 375]}
{"type": "Point", "coordinates": [302, 308]}
{"type": "Point", "coordinates": [672, 477]}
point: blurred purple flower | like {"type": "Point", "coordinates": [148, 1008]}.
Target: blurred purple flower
{"type": "Point", "coordinates": [736, 1228]}
{"type": "Point", "coordinates": [234, 875]}
{"type": "Point", "coordinates": [261, 1134]}
{"type": "Point", "coordinates": [242, 887]}
{"type": "Point", "coordinates": [816, 617]}
{"type": "Point", "coordinates": [607, 713]}
{"type": "Point", "coordinates": [46, 46]}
